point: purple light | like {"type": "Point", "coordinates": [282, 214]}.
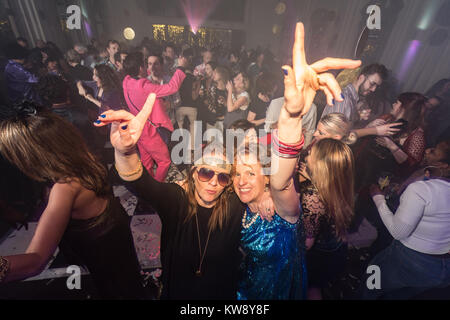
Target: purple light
{"type": "Point", "coordinates": [410, 55]}
{"type": "Point", "coordinates": [88, 29]}
{"type": "Point", "coordinates": [197, 11]}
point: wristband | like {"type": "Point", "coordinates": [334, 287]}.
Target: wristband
{"type": "Point", "coordinates": [132, 173]}
{"type": "Point", "coordinates": [285, 150]}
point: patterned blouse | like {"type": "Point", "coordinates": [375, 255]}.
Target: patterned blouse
{"type": "Point", "coordinates": [317, 223]}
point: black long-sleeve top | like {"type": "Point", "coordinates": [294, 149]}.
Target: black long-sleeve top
{"type": "Point", "coordinates": [180, 254]}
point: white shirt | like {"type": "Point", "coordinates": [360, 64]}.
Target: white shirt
{"type": "Point", "coordinates": [422, 221]}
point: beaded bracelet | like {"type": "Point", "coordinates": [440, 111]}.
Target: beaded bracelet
{"type": "Point", "coordinates": [284, 150]}
{"type": "Point", "coordinates": [129, 174]}
{"type": "Point", "coordinates": [4, 268]}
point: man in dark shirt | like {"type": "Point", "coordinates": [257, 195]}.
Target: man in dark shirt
{"type": "Point", "coordinates": [19, 82]}
{"type": "Point", "coordinates": [77, 71]}
{"type": "Point", "coordinates": [265, 88]}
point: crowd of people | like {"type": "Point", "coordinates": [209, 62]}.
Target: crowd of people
{"type": "Point", "coordinates": [233, 227]}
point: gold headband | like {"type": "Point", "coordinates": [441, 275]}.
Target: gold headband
{"type": "Point", "coordinates": [214, 162]}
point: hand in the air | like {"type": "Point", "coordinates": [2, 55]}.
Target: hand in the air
{"type": "Point", "coordinates": [303, 80]}
{"type": "Point", "coordinates": [126, 129]}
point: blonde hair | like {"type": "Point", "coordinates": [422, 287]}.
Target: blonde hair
{"type": "Point", "coordinates": [332, 175]}
{"type": "Point", "coordinates": [337, 124]}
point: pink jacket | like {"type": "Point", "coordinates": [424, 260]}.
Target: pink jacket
{"type": "Point", "coordinates": [137, 91]}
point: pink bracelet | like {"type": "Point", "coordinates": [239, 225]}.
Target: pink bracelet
{"type": "Point", "coordinates": [285, 150]}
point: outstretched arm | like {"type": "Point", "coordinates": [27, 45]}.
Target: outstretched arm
{"type": "Point", "coordinates": [301, 83]}
{"type": "Point", "coordinates": [49, 232]}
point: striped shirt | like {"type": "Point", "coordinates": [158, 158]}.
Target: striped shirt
{"type": "Point", "coordinates": [348, 106]}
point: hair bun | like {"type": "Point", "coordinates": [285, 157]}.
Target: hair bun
{"type": "Point", "coordinates": [19, 110]}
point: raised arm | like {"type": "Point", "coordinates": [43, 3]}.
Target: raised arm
{"type": "Point", "coordinates": [301, 83]}
{"type": "Point", "coordinates": [126, 130]}
{"type": "Point", "coordinates": [167, 89]}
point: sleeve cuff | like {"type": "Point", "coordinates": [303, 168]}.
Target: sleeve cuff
{"type": "Point", "coordinates": [379, 200]}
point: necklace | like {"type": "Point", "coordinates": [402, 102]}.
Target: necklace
{"type": "Point", "coordinates": [198, 273]}
{"type": "Point", "coordinates": [246, 224]}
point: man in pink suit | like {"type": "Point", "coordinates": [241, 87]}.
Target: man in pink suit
{"type": "Point", "coordinates": [136, 90]}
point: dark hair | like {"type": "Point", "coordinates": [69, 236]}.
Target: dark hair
{"type": "Point", "coordinates": [118, 55]}
{"type": "Point", "coordinates": [53, 89]}
{"type": "Point", "coordinates": [213, 64]}
{"type": "Point", "coordinates": [188, 53]}
{"type": "Point", "coordinates": [234, 53]}
{"type": "Point", "coordinates": [22, 39]}
{"type": "Point", "coordinates": [157, 55]}
{"type": "Point", "coordinates": [375, 68]}
{"type": "Point", "coordinates": [264, 84]}
{"type": "Point", "coordinates": [132, 64]}
{"type": "Point", "coordinates": [243, 124]}
{"type": "Point", "coordinates": [414, 105]}
{"type": "Point", "coordinates": [169, 45]}
{"type": "Point", "coordinates": [108, 78]}
{"type": "Point", "coordinates": [47, 147]}
{"type": "Point", "coordinates": [51, 58]}
{"type": "Point", "coordinates": [438, 90]}
{"type": "Point", "coordinates": [15, 51]}
{"type": "Point", "coordinates": [110, 42]}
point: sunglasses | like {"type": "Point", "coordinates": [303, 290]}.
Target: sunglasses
{"type": "Point", "coordinates": [205, 175]}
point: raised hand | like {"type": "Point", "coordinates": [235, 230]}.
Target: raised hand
{"type": "Point", "coordinates": [126, 129]}
{"type": "Point", "coordinates": [303, 80]}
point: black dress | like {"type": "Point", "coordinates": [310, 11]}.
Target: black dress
{"type": "Point", "coordinates": [326, 259]}
{"type": "Point", "coordinates": [104, 244]}
{"type": "Point", "coordinates": [180, 254]}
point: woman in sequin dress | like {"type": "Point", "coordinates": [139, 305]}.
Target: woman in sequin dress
{"type": "Point", "coordinates": [273, 267]}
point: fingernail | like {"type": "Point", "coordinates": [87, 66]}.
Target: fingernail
{"type": "Point", "coordinates": [342, 95]}
{"type": "Point", "coordinates": [124, 127]}
{"type": "Point", "coordinates": [103, 116]}
{"type": "Point", "coordinates": [285, 72]}
{"type": "Point", "coordinates": [97, 122]}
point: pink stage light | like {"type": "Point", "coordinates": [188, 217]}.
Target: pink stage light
{"type": "Point", "coordinates": [197, 11]}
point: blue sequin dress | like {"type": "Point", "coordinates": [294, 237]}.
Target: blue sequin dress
{"type": "Point", "coordinates": [274, 265]}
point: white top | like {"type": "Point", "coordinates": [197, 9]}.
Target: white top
{"type": "Point", "coordinates": [242, 94]}
{"type": "Point", "coordinates": [422, 221]}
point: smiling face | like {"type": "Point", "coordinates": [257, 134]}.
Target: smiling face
{"type": "Point", "coordinates": [249, 182]}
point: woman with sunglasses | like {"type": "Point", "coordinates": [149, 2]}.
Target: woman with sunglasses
{"type": "Point", "coordinates": [200, 234]}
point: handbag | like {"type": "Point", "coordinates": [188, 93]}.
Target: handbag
{"type": "Point", "coordinates": [163, 132]}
